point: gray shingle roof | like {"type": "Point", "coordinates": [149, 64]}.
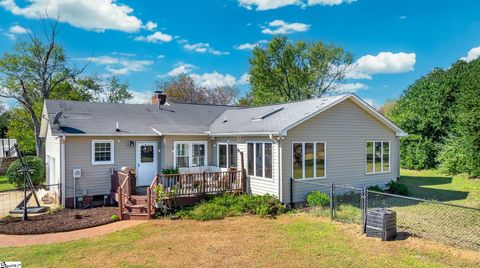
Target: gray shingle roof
{"type": "Point", "coordinates": [268, 119]}
{"type": "Point", "coordinates": [134, 119]}
{"type": "Point", "coordinates": [89, 118]}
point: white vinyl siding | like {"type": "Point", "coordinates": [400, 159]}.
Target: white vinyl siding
{"type": "Point", "coordinates": [345, 128]}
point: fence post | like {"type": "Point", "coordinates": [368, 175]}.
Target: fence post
{"type": "Point", "coordinates": [364, 210]}
{"type": "Point", "coordinates": [332, 205]}
{"type": "Point", "coordinates": [291, 193]}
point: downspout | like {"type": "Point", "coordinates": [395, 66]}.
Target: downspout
{"type": "Point", "coordinates": [280, 169]}
{"type": "Point", "coordinates": [62, 168]}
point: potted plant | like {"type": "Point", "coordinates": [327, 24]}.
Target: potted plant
{"type": "Point", "coordinates": [165, 197]}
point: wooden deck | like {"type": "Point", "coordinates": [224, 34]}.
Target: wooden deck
{"type": "Point", "coordinates": [183, 188]}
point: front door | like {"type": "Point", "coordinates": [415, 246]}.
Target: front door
{"type": "Point", "coordinates": [147, 159]}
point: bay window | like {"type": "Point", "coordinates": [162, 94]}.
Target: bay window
{"type": "Point", "coordinates": [377, 156]}
{"type": "Point", "coordinates": [260, 159]}
{"type": "Point", "coordinates": [308, 160]}
{"type": "Point", "coordinates": [190, 154]}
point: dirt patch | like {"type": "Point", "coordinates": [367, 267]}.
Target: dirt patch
{"type": "Point", "coordinates": [62, 221]}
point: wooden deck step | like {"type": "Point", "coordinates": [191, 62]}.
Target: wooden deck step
{"type": "Point", "coordinates": [136, 216]}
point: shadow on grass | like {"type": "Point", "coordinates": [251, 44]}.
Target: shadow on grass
{"type": "Point", "coordinates": [416, 185]}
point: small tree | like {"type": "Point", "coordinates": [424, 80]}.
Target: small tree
{"type": "Point", "coordinates": [184, 89]}
{"type": "Point", "coordinates": [32, 72]}
{"type": "Point", "coordinates": [283, 71]}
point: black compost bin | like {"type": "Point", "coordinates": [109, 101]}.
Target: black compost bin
{"type": "Point", "coordinates": [381, 223]}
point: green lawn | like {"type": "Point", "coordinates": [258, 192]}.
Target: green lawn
{"type": "Point", "coordinates": [293, 240]}
{"type": "Point", "coordinates": [4, 184]}
{"type": "Point", "coordinates": [431, 184]}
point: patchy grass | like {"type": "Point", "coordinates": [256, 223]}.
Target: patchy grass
{"type": "Point", "coordinates": [4, 184]}
{"type": "Point", "coordinates": [431, 184]}
{"type": "Point", "coordinates": [293, 240]}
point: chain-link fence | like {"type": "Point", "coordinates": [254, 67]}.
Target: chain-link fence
{"type": "Point", "coordinates": [443, 222]}
{"type": "Point", "coordinates": [11, 199]}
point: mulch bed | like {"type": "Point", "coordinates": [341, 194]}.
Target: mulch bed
{"type": "Point", "coordinates": [61, 221]}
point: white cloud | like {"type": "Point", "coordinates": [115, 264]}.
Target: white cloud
{"type": "Point", "coordinates": [403, 17]}
{"type": "Point", "coordinates": [156, 37]}
{"type": "Point", "coordinates": [120, 66]}
{"type": "Point", "coordinates": [472, 54]}
{"type": "Point", "coordinates": [274, 4]}
{"type": "Point", "coordinates": [282, 27]}
{"type": "Point", "coordinates": [244, 79]}
{"type": "Point", "coordinates": [344, 88]}
{"type": "Point", "coordinates": [267, 4]}
{"type": "Point", "coordinates": [249, 46]}
{"type": "Point", "coordinates": [86, 14]}
{"type": "Point", "coordinates": [329, 2]}
{"type": "Point", "coordinates": [139, 97]}
{"type": "Point", "coordinates": [202, 48]}
{"type": "Point", "coordinates": [151, 25]}
{"type": "Point", "coordinates": [17, 29]}
{"type": "Point", "coordinates": [383, 62]}
{"type": "Point", "coordinates": [124, 54]}
{"type": "Point", "coordinates": [14, 30]}
{"type": "Point", "coordinates": [161, 56]}
{"type": "Point", "coordinates": [212, 80]}
{"type": "Point", "coordinates": [181, 68]}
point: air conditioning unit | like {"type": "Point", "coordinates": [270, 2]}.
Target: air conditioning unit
{"type": "Point", "coordinates": [77, 173]}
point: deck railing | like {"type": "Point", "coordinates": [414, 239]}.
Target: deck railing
{"type": "Point", "coordinates": [202, 183]}
{"type": "Point", "coordinates": [121, 181]}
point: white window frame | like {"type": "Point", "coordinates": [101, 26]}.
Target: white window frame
{"type": "Point", "coordinates": [228, 153]}
{"type": "Point", "coordinates": [314, 160]}
{"type": "Point", "coordinates": [112, 153]}
{"type": "Point", "coordinates": [381, 161]}
{"type": "Point", "coordinates": [190, 152]}
{"type": "Point", "coordinates": [254, 175]}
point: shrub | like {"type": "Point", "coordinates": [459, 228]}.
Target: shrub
{"type": "Point", "coordinates": [34, 163]}
{"type": "Point", "coordinates": [396, 187]}
{"type": "Point", "coordinates": [114, 217]}
{"type": "Point", "coordinates": [228, 205]}
{"type": "Point", "coordinates": [317, 198]}
{"type": "Point", "coordinates": [172, 170]}
{"type": "Point", "coordinates": [375, 188]}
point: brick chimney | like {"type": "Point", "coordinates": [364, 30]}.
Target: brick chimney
{"type": "Point", "coordinates": [158, 98]}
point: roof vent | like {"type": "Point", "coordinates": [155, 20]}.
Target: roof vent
{"type": "Point", "coordinates": [267, 114]}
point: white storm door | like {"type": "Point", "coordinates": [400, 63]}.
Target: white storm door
{"type": "Point", "coordinates": [147, 159]}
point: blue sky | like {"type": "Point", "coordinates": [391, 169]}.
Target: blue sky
{"type": "Point", "coordinates": [394, 42]}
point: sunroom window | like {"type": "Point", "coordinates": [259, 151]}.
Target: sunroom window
{"type": "Point", "coordinates": [227, 155]}
{"type": "Point", "coordinates": [308, 160]}
{"type": "Point", "coordinates": [260, 159]}
{"type": "Point", "coordinates": [377, 156]}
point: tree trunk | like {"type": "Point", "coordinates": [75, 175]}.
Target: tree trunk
{"type": "Point", "coordinates": [39, 148]}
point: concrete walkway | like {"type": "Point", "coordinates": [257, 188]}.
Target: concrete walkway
{"type": "Point", "coordinates": [26, 240]}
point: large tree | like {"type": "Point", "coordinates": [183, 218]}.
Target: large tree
{"type": "Point", "coordinates": [110, 90]}
{"type": "Point", "coordinates": [32, 72]}
{"type": "Point", "coordinates": [284, 71]}
{"type": "Point", "coordinates": [184, 89]}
